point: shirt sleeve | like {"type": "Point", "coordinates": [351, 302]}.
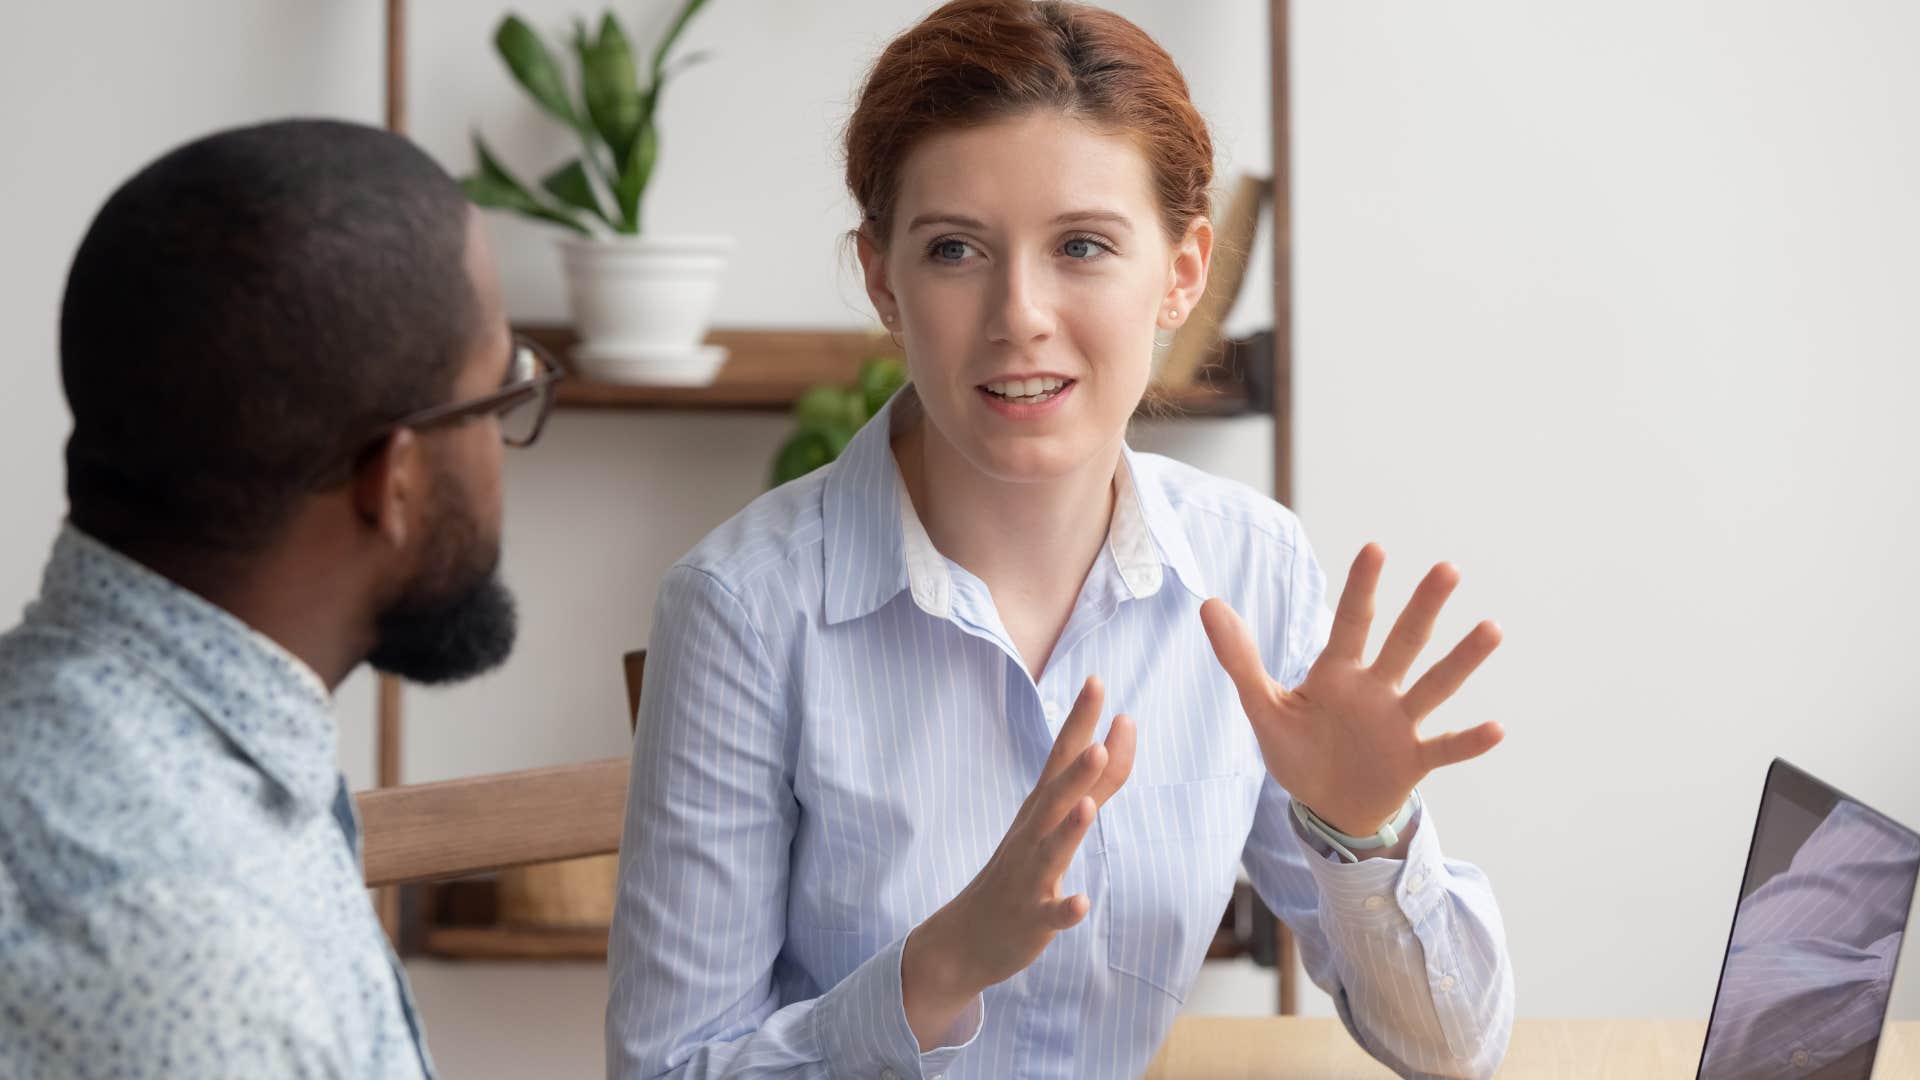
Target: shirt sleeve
{"type": "Point", "coordinates": [166, 979]}
{"type": "Point", "coordinates": [1412, 951]}
{"type": "Point", "coordinates": [700, 918]}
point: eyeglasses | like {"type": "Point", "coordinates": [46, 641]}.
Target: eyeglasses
{"type": "Point", "coordinates": [522, 403]}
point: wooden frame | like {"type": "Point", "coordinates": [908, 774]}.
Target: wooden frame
{"type": "Point", "coordinates": [431, 832]}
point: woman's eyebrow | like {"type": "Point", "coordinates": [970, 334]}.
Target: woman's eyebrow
{"type": "Point", "coordinates": [1095, 217]}
{"type": "Point", "coordinates": [941, 217]}
{"type": "Point", "coordinates": [1071, 217]}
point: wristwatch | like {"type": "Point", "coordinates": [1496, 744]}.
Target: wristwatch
{"type": "Point", "coordinates": [1388, 835]}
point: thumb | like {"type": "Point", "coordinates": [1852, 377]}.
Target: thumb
{"type": "Point", "coordinates": [1239, 655]}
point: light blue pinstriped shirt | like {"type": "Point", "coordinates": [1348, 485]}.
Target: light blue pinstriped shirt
{"type": "Point", "coordinates": [836, 732]}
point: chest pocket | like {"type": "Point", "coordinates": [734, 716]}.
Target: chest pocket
{"type": "Point", "coordinates": [1172, 854]}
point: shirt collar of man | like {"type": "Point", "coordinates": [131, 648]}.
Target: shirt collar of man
{"type": "Point", "coordinates": [272, 706]}
{"type": "Point", "coordinates": [876, 546]}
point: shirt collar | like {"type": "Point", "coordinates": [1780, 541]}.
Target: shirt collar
{"type": "Point", "coordinates": [272, 706]}
{"type": "Point", "coordinates": [877, 547]}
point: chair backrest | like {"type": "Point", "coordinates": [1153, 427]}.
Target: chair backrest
{"type": "Point", "coordinates": [428, 832]}
{"type": "Point", "coordinates": [635, 664]}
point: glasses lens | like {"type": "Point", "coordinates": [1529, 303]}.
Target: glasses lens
{"type": "Point", "coordinates": [519, 419]}
{"type": "Point", "coordinates": [525, 364]}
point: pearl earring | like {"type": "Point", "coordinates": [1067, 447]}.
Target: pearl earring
{"type": "Point", "coordinates": [1174, 314]}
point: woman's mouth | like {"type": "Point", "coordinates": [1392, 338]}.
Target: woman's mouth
{"type": "Point", "coordinates": [1027, 391]}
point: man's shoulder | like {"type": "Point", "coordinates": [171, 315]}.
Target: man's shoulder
{"type": "Point", "coordinates": [164, 975]}
{"type": "Point", "coordinates": [106, 774]}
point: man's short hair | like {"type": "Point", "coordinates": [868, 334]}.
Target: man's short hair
{"type": "Point", "coordinates": [243, 317]}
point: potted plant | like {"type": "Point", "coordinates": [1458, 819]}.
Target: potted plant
{"type": "Point", "coordinates": [641, 303]}
{"type": "Point", "coordinates": [828, 415]}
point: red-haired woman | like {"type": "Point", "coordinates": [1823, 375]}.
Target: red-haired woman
{"type": "Point", "coordinates": [884, 819]}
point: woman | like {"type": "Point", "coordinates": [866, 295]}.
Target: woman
{"type": "Point", "coordinates": [883, 821]}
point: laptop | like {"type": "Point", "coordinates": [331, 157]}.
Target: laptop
{"type": "Point", "coordinates": [1816, 936]}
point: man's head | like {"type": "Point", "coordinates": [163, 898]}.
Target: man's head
{"type": "Point", "coordinates": [243, 325]}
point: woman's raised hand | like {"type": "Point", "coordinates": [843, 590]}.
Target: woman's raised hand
{"type": "Point", "coordinates": [1008, 913]}
{"type": "Point", "coordinates": [1346, 741]}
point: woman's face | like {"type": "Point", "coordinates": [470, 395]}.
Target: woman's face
{"type": "Point", "coordinates": [1026, 274]}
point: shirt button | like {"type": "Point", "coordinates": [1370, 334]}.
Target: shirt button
{"type": "Point", "coordinates": [889, 1074]}
{"type": "Point", "coordinates": [1417, 881]}
{"type": "Point", "coordinates": [1052, 709]}
{"type": "Point", "coordinates": [1375, 903]}
{"type": "Point", "coordinates": [1446, 983]}
{"type": "Point", "coordinates": [1800, 1058]}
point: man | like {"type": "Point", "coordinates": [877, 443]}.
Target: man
{"type": "Point", "coordinates": [290, 378]}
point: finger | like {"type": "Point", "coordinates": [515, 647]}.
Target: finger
{"type": "Point", "coordinates": [1077, 732]}
{"type": "Point", "coordinates": [1457, 746]}
{"type": "Point", "coordinates": [1354, 617]}
{"type": "Point", "coordinates": [1414, 628]}
{"type": "Point", "coordinates": [1445, 677]}
{"type": "Point", "coordinates": [1056, 851]}
{"type": "Point", "coordinates": [1120, 743]}
{"type": "Point", "coordinates": [1066, 912]}
{"type": "Point", "coordinates": [1238, 653]}
{"type": "Point", "coordinates": [1058, 797]}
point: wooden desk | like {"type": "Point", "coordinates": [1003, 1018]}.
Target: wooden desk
{"type": "Point", "coordinates": [1320, 1049]}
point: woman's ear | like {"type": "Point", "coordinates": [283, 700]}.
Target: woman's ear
{"type": "Point", "coordinates": [1187, 277]}
{"type": "Point", "coordinates": [387, 484]}
{"type": "Point", "coordinates": [873, 269]}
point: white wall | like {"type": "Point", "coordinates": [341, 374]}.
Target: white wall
{"type": "Point", "coordinates": [1604, 303]}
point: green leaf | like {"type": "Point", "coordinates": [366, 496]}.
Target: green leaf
{"type": "Point", "coordinates": [822, 407]}
{"type": "Point", "coordinates": [611, 87]}
{"type": "Point", "coordinates": [493, 187]}
{"type": "Point", "coordinates": [527, 57]}
{"type": "Point", "coordinates": [635, 171]}
{"type": "Point", "coordinates": [692, 59]}
{"type": "Point", "coordinates": [687, 12]}
{"type": "Point", "coordinates": [803, 453]}
{"type": "Point", "coordinates": [570, 185]}
{"type": "Point", "coordinates": [496, 196]}
{"type": "Point", "coordinates": [880, 378]}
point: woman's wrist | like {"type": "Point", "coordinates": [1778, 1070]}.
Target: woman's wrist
{"type": "Point", "coordinates": [934, 986]}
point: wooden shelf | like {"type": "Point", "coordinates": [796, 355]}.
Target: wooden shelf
{"type": "Point", "coordinates": [768, 370]}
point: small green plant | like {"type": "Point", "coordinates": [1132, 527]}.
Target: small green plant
{"type": "Point", "coordinates": [613, 115]}
{"type": "Point", "coordinates": [828, 414]}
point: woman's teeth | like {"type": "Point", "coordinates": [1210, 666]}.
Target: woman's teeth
{"type": "Point", "coordinates": [1026, 391]}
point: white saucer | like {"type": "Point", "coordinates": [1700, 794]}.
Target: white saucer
{"type": "Point", "coordinates": [648, 366]}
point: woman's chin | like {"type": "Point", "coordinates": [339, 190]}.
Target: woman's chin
{"type": "Point", "coordinates": [1037, 459]}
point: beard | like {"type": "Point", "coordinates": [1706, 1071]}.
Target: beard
{"type": "Point", "coordinates": [456, 619]}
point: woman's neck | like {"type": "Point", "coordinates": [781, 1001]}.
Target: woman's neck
{"type": "Point", "coordinates": [1031, 543]}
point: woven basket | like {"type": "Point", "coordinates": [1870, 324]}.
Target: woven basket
{"type": "Point", "coordinates": [573, 893]}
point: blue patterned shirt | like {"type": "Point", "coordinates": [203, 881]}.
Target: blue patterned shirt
{"type": "Point", "coordinates": [177, 895]}
{"type": "Point", "coordinates": [837, 730]}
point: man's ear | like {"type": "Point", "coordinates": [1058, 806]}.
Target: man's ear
{"type": "Point", "coordinates": [873, 268]}
{"type": "Point", "coordinates": [386, 484]}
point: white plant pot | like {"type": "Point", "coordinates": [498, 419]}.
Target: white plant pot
{"type": "Point", "coordinates": [642, 304]}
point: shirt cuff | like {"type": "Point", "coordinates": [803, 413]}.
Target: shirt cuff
{"type": "Point", "coordinates": [862, 1026]}
{"type": "Point", "coordinates": [1374, 890]}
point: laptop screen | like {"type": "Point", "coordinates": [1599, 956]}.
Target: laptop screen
{"type": "Point", "coordinates": [1809, 966]}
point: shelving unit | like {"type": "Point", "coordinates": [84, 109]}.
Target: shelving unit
{"type": "Point", "coordinates": [766, 372]}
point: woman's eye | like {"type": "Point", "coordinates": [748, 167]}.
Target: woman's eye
{"type": "Point", "coordinates": [950, 250]}
{"type": "Point", "coordinates": [1082, 247]}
